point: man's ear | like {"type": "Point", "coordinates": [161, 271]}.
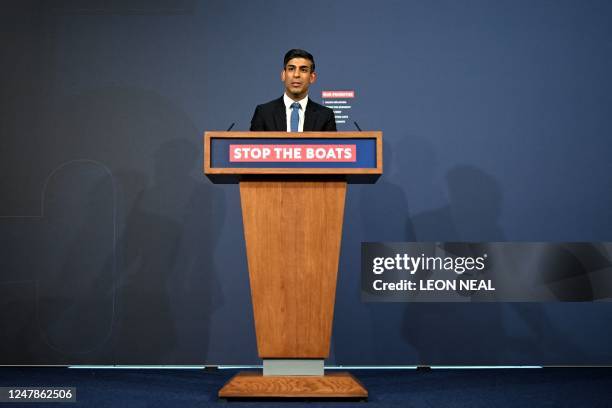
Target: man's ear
{"type": "Point", "coordinates": [313, 77]}
{"type": "Point", "coordinates": [283, 75]}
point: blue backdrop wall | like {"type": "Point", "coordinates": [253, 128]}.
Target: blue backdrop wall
{"type": "Point", "coordinates": [117, 250]}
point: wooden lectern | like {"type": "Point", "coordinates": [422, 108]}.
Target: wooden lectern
{"type": "Point", "coordinates": [292, 191]}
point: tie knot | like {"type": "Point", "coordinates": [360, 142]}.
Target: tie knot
{"type": "Point", "coordinates": [296, 105]}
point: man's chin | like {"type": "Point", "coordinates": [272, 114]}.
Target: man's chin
{"type": "Point", "coordinates": [299, 94]}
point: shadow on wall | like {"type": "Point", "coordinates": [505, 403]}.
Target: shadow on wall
{"type": "Point", "coordinates": [76, 283]}
{"type": "Point", "coordinates": [167, 285]}
{"type": "Point", "coordinates": [60, 277]}
{"type": "Point", "coordinates": [472, 213]}
{"type": "Point", "coordinates": [165, 288]}
{"type": "Point", "coordinates": [444, 333]}
{"type": "Point", "coordinates": [384, 219]}
{"type": "Point", "coordinates": [438, 333]}
{"type": "Point", "coordinates": [168, 289]}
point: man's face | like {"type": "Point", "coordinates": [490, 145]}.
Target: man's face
{"type": "Point", "coordinates": [298, 76]}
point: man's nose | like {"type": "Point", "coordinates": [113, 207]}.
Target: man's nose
{"type": "Point", "coordinates": [296, 73]}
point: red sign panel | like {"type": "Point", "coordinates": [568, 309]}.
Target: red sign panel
{"type": "Point", "coordinates": [337, 94]}
{"type": "Point", "coordinates": [328, 153]}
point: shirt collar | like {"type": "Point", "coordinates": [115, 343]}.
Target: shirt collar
{"type": "Point", "coordinates": [288, 101]}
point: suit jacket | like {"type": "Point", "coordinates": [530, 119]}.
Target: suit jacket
{"type": "Point", "coordinates": [271, 117]}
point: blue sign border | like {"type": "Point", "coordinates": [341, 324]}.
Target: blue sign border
{"type": "Point", "coordinates": [366, 153]}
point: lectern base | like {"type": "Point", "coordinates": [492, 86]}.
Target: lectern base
{"type": "Point", "coordinates": [255, 385]}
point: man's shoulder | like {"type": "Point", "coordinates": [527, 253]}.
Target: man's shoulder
{"type": "Point", "coordinates": [317, 106]}
{"type": "Point", "coordinates": [273, 104]}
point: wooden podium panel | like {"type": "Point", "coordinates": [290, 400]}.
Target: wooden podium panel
{"type": "Point", "coordinates": [293, 231]}
{"type": "Point", "coordinates": [292, 213]}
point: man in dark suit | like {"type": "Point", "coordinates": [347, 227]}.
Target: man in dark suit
{"type": "Point", "coordinates": [294, 111]}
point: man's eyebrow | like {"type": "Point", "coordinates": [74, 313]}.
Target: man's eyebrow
{"type": "Point", "coordinates": [300, 67]}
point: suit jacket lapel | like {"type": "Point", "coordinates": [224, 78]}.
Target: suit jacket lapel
{"type": "Point", "coordinates": [280, 116]}
{"type": "Point", "coordinates": [309, 117]}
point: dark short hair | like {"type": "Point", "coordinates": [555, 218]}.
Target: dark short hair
{"type": "Point", "coordinates": [297, 53]}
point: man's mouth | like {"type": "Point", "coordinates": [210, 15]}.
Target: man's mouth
{"type": "Point", "coordinates": [296, 83]}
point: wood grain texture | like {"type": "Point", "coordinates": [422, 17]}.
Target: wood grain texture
{"type": "Point", "coordinates": [292, 231]}
{"type": "Point", "coordinates": [334, 385]}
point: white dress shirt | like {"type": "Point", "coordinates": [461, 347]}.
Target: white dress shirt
{"type": "Point", "coordinates": [303, 102]}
